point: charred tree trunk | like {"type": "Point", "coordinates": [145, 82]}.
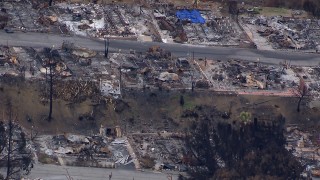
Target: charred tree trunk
{"type": "Point", "coordinates": [51, 93]}
{"type": "Point", "coordinates": [50, 2]}
{"type": "Point", "coordinates": [299, 102]}
{"type": "Point", "coordinates": [233, 7]}
{"type": "Point", "coordinates": [16, 157]}
{"type": "Point", "coordinates": [9, 146]}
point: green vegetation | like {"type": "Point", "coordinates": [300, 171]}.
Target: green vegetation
{"type": "Point", "coordinates": [245, 117]}
{"type": "Point", "coordinates": [189, 104]}
{"type": "Point", "coordinates": [274, 11]}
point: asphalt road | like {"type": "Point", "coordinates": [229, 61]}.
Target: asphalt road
{"type": "Point", "coordinates": [54, 172]}
{"type": "Point", "coordinates": [220, 53]}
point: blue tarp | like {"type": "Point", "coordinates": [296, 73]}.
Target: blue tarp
{"type": "Point", "coordinates": [193, 15]}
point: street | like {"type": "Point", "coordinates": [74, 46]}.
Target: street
{"type": "Point", "coordinates": [221, 53]}
{"type": "Point", "coordinates": [54, 172]}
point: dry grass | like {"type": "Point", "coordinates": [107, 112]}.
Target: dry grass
{"type": "Point", "coordinates": [45, 159]}
{"type": "Point", "coordinates": [147, 162]}
{"type": "Point", "coordinates": [147, 112]}
{"type": "Point", "coordinates": [182, 2]}
{"type": "Point", "coordinates": [273, 11]}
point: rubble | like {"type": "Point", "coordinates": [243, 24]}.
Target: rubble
{"type": "Point", "coordinates": [75, 91]}
{"type": "Point", "coordinates": [96, 150]}
{"type": "Point", "coordinates": [157, 68]}
{"type": "Point", "coordinates": [236, 74]}
{"type": "Point", "coordinates": [305, 146]}
{"type": "Point", "coordinates": [161, 151]}
{"type": "Point", "coordinates": [159, 23]}
{"type": "Point", "coordinates": [84, 27]}
{"type": "Point", "coordinates": [84, 53]}
{"type": "Point", "coordinates": [47, 20]}
{"type": "Point", "coordinates": [286, 32]}
{"type": "Point", "coordinates": [107, 88]}
{"type": "Point", "coordinates": [82, 74]}
{"type": "Point", "coordinates": [166, 76]}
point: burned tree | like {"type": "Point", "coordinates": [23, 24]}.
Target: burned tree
{"type": "Point", "coordinates": [181, 100]}
{"type": "Point", "coordinates": [51, 62]}
{"type": "Point", "coordinates": [50, 2]}
{"type": "Point", "coordinates": [233, 7]}
{"type": "Point", "coordinates": [222, 150]}
{"type": "Point", "coordinates": [14, 154]}
{"type": "Point", "coordinates": [202, 151]}
{"type": "Point", "coordinates": [301, 92]}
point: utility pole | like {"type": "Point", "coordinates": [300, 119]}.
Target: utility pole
{"type": "Point", "coordinates": [192, 55]}
{"type": "Point", "coordinates": [106, 47]}
{"type": "Point", "coordinates": [140, 9]}
{"type": "Point", "coordinates": [192, 82]}
{"type": "Point", "coordinates": [120, 78]}
{"type": "Point", "coordinates": [205, 61]}
{"type": "Point", "coordinates": [51, 91]}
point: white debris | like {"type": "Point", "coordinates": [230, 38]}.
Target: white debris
{"type": "Point", "coordinates": [73, 26]}
{"type": "Point", "coordinates": [62, 150]}
{"type": "Point", "coordinates": [97, 23]}
{"type": "Point", "coordinates": [109, 88]}
{"type": "Point", "coordinates": [77, 138]}
{"type": "Point", "coordinates": [48, 152]}
{"type": "Point", "coordinates": [122, 160]}
{"type": "Point", "coordinates": [166, 76]}
{"type": "Point", "coordinates": [119, 141]}
{"type": "Point", "coordinates": [129, 162]}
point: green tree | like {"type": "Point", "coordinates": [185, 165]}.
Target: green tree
{"type": "Point", "coordinates": [245, 117]}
